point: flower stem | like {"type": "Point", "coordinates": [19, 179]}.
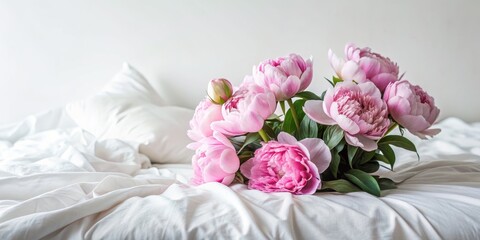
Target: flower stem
{"type": "Point", "coordinates": [394, 125]}
{"type": "Point", "coordinates": [294, 113]}
{"type": "Point", "coordinates": [263, 135]}
{"type": "Point", "coordinates": [282, 106]}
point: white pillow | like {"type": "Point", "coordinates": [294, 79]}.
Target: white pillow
{"type": "Point", "coordinates": [129, 109]}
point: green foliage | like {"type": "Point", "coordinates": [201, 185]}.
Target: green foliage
{"type": "Point", "coordinates": [288, 122]}
{"type": "Point", "coordinates": [351, 168]}
{"type": "Point", "coordinates": [386, 184]}
{"type": "Point", "coordinates": [334, 163]}
{"type": "Point", "coordinates": [307, 95]}
{"type": "Point", "coordinates": [336, 80]}
{"type": "Point", "coordinates": [388, 154]}
{"type": "Point", "coordinates": [332, 136]}
{"type": "Point", "coordinates": [249, 138]}
{"type": "Point", "coordinates": [370, 167]}
{"type": "Point", "coordinates": [398, 141]}
{"type": "Point", "coordinates": [308, 129]}
{"type": "Point", "coordinates": [364, 181]}
{"type": "Point", "coordinates": [340, 185]}
{"type": "Point", "coordinates": [351, 154]}
{"type": "Point", "coordinates": [366, 157]}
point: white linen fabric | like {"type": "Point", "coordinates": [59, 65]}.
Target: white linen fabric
{"type": "Point", "coordinates": [129, 109]}
{"type": "Point", "coordinates": [59, 182]}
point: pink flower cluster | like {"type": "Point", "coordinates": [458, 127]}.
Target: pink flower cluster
{"type": "Point", "coordinates": [360, 109]}
{"type": "Point", "coordinates": [357, 108]}
{"type": "Point", "coordinates": [289, 165]}
{"type": "Point", "coordinates": [367, 100]}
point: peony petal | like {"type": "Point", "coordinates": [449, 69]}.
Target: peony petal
{"type": "Point", "coordinates": [383, 79]}
{"type": "Point", "coordinates": [290, 87]}
{"type": "Point", "coordinates": [213, 173]}
{"type": "Point", "coordinates": [319, 153]}
{"type": "Point", "coordinates": [413, 123]}
{"type": "Point", "coordinates": [347, 124]}
{"type": "Point", "coordinates": [398, 106]}
{"type": "Point", "coordinates": [246, 168]}
{"type": "Point", "coordinates": [352, 72]}
{"type": "Point", "coordinates": [194, 145]}
{"type": "Point", "coordinates": [259, 78]}
{"type": "Point", "coordinates": [313, 183]}
{"type": "Point", "coordinates": [433, 115]}
{"type": "Point", "coordinates": [229, 128]}
{"type": "Point", "coordinates": [228, 179]}
{"type": "Point", "coordinates": [370, 66]}
{"type": "Point", "coordinates": [314, 110]}
{"type": "Point", "coordinates": [229, 161]}
{"type": "Point", "coordinates": [306, 78]}
{"type": "Point", "coordinates": [223, 139]}
{"type": "Point", "coordinates": [352, 52]}
{"type": "Point", "coordinates": [328, 99]}
{"type": "Point", "coordinates": [335, 62]}
{"type": "Point", "coordinates": [290, 67]}
{"type": "Point", "coordinates": [428, 132]}
{"type": "Point", "coordinates": [369, 88]}
{"type": "Point", "coordinates": [361, 142]}
{"type": "Point", "coordinates": [250, 122]}
{"type": "Point", "coordinates": [263, 104]}
{"type": "Point", "coordinates": [284, 137]}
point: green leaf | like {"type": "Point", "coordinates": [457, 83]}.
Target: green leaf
{"type": "Point", "coordinates": [299, 107]}
{"type": "Point", "coordinates": [307, 95]}
{"type": "Point", "coordinates": [386, 184]}
{"type": "Point", "coordinates": [340, 185]}
{"type": "Point", "coordinates": [273, 118]}
{"type": "Point", "coordinates": [366, 157]}
{"type": "Point", "coordinates": [370, 167]}
{"type": "Point", "coordinates": [334, 163]}
{"type": "Point", "coordinates": [308, 129]}
{"type": "Point", "coordinates": [336, 80]}
{"type": "Point", "coordinates": [288, 122]}
{"type": "Point", "coordinates": [363, 180]}
{"type": "Point", "coordinates": [277, 128]}
{"type": "Point", "coordinates": [340, 145]}
{"type": "Point", "coordinates": [239, 177]}
{"type": "Point", "coordinates": [245, 155]}
{"type": "Point", "coordinates": [329, 81]}
{"type": "Point", "coordinates": [351, 154]}
{"type": "Point", "coordinates": [388, 153]}
{"type": "Point", "coordinates": [382, 158]}
{"type": "Point", "coordinates": [332, 136]}
{"type": "Point", "coordinates": [323, 95]}
{"type": "Point", "coordinates": [250, 138]}
{"type": "Point", "coordinates": [268, 128]}
{"type": "Point", "coordinates": [398, 141]}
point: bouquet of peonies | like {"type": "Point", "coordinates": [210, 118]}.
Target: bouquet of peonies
{"type": "Point", "coordinates": [333, 141]}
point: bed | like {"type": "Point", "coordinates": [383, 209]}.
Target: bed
{"type": "Point", "coordinates": [106, 167]}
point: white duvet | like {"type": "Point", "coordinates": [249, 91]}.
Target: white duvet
{"type": "Point", "coordinates": [58, 182]}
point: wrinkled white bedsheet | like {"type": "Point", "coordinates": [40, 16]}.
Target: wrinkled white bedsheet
{"type": "Point", "coordinates": [58, 182]}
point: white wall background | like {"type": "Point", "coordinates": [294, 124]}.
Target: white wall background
{"type": "Point", "coordinates": [55, 51]}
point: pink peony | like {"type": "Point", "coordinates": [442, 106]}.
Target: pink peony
{"type": "Point", "coordinates": [285, 76]}
{"type": "Point", "coordinates": [287, 165]}
{"type": "Point", "coordinates": [412, 108]}
{"type": "Point", "coordinates": [205, 113]}
{"type": "Point", "coordinates": [362, 65]}
{"type": "Point", "coordinates": [246, 110]}
{"type": "Point", "coordinates": [358, 109]}
{"type": "Point", "coordinates": [215, 160]}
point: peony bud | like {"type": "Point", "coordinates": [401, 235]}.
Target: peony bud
{"type": "Point", "coordinates": [219, 90]}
